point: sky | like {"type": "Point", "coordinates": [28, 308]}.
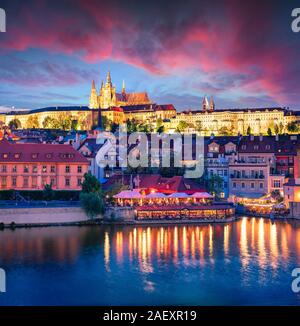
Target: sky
{"type": "Point", "coordinates": [243, 53]}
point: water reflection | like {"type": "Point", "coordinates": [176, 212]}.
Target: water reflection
{"type": "Point", "coordinates": [256, 241]}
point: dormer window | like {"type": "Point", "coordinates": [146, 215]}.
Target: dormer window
{"type": "Point", "coordinates": [17, 155]}
{"type": "Point", "coordinates": [34, 155]}
{"type": "Point", "coordinates": [5, 155]}
{"type": "Point", "coordinates": [48, 155]}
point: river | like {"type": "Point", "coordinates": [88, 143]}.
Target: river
{"type": "Point", "coordinates": [248, 262]}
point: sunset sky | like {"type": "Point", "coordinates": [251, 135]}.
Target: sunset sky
{"type": "Point", "coordinates": [245, 55]}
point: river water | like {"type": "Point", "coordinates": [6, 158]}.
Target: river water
{"type": "Point", "coordinates": [248, 262]}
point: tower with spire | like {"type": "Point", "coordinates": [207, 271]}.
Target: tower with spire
{"type": "Point", "coordinates": [93, 104]}
{"type": "Point", "coordinates": [205, 104]}
{"type": "Point", "coordinates": [211, 104]}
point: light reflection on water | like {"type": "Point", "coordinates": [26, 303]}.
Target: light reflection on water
{"type": "Point", "coordinates": [244, 262]}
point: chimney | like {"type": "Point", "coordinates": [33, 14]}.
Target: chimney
{"type": "Point", "coordinates": [261, 137]}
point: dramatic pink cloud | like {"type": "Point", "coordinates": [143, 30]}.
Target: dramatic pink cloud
{"type": "Point", "coordinates": [249, 44]}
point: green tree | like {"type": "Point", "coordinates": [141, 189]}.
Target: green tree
{"type": "Point", "coordinates": [281, 128]}
{"type": "Point", "coordinates": [91, 197]}
{"type": "Point", "coordinates": [32, 122]}
{"type": "Point", "coordinates": [198, 126]}
{"type": "Point", "coordinates": [214, 184]}
{"type": "Point", "coordinates": [92, 204]}
{"type": "Point", "coordinates": [276, 129]}
{"type": "Point", "coordinates": [224, 131]}
{"type": "Point", "coordinates": [15, 124]}
{"type": "Point", "coordinates": [269, 132]}
{"type": "Point", "coordinates": [159, 125]}
{"type": "Point", "coordinates": [292, 127]}
{"type": "Point", "coordinates": [182, 126]}
{"type": "Point", "coordinates": [65, 121]}
{"type": "Point", "coordinates": [132, 126]}
{"type": "Point", "coordinates": [48, 193]}
{"type": "Point", "coordinates": [74, 125]}
{"type": "Point", "coordinates": [90, 183]}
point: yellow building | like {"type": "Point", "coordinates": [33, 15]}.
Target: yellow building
{"type": "Point", "coordinates": [256, 120]}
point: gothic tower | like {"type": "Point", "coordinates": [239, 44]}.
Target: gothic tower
{"type": "Point", "coordinates": [93, 97]}
{"type": "Point", "coordinates": [211, 104]}
{"type": "Point", "coordinates": [107, 96]}
{"type": "Point", "coordinates": [205, 104]}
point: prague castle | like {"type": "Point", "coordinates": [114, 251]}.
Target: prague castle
{"type": "Point", "coordinates": [108, 97]}
{"type": "Point", "coordinates": [123, 106]}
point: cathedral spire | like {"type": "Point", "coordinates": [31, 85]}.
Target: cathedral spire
{"type": "Point", "coordinates": [108, 78]}
{"type": "Point", "coordinates": [93, 97]}
{"type": "Point", "coordinates": [211, 104]}
{"type": "Point", "coordinates": [205, 104]}
{"type": "Point", "coordinates": [123, 87]}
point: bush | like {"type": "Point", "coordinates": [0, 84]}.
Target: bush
{"type": "Point", "coordinates": [66, 195]}
{"type": "Point", "coordinates": [92, 204]}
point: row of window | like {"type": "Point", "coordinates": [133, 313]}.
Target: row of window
{"type": "Point", "coordinates": [35, 155]}
{"type": "Point", "coordinates": [243, 185]}
{"type": "Point", "coordinates": [34, 183]}
{"type": "Point", "coordinates": [45, 169]}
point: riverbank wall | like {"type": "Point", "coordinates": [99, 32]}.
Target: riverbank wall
{"type": "Point", "coordinates": [42, 216]}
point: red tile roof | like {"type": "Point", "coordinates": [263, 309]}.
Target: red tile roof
{"type": "Point", "coordinates": [12, 152]}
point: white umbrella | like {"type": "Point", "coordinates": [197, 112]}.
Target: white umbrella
{"type": "Point", "coordinates": [156, 195]}
{"type": "Point", "coordinates": [179, 195]}
{"type": "Point", "coordinates": [202, 195]}
{"type": "Point", "coordinates": [129, 194]}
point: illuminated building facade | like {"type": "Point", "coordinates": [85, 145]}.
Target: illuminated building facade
{"type": "Point", "coordinates": [32, 166]}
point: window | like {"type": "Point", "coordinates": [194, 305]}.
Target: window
{"type": "Point", "coordinates": [4, 168]}
{"type": "Point", "coordinates": [67, 169]}
{"type": "Point", "coordinates": [267, 146]}
{"type": "Point", "coordinates": [34, 169]}
{"type": "Point", "coordinates": [52, 169]}
{"type": "Point", "coordinates": [25, 182]}
{"type": "Point", "coordinates": [252, 185]}
{"type": "Point", "coordinates": [14, 181]}
{"type": "Point", "coordinates": [48, 155]}
{"type": "Point", "coordinates": [34, 182]}
{"type": "Point", "coordinates": [53, 181]}
{"type": "Point", "coordinates": [256, 147]}
{"type": "Point", "coordinates": [44, 181]}
{"type": "Point", "coordinates": [276, 184]}
{"type": "Point", "coordinates": [244, 147]}
{"type": "Point", "coordinates": [67, 182]}
{"type": "Point", "coordinates": [17, 155]}
{"type": "Point", "coordinates": [3, 182]}
{"type": "Point", "coordinates": [79, 169]}
{"type": "Point", "coordinates": [5, 155]}
{"type": "Point", "coordinates": [44, 169]}
{"type": "Point", "coordinates": [34, 155]}
{"type": "Point", "coordinates": [14, 169]}
{"type": "Point", "coordinates": [261, 185]}
{"type": "Point", "coordinates": [26, 168]}
{"type": "Point", "coordinates": [79, 182]}
{"type": "Point", "coordinates": [234, 185]}
{"type": "Point", "coordinates": [243, 185]}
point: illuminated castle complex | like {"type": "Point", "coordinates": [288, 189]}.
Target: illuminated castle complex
{"type": "Point", "coordinates": [108, 97]}
{"type": "Point", "coordinates": [121, 107]}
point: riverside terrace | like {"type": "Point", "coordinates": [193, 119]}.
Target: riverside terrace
{"type": "Point", "coordinates": [176, 206]}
